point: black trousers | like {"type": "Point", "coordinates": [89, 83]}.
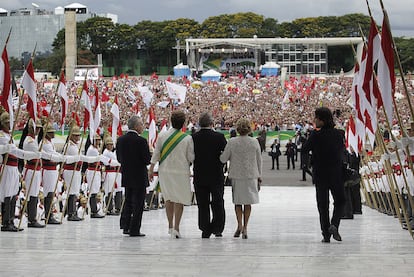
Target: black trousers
{"type": "Point", "coordinates": [322, 199]}
{"type": "Point", "coordinates": [131, 216]}
{"type": "Point", "coordinates": [290, 159]}
{"type": "Point", "coordinates": [356, 198]}
{"type": "Point", "coordinates": [275, 158]}
{"type": "Point", "coordinates": [210, 196]}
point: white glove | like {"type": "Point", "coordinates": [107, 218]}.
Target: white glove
{"type": "Point", "coordinates": [58, 158]}
{"type": "Point", "coordinates": [28, 155]}
{"type": "Point", "coordinates": [96, 159]}
{"type": "Point", "coordinates": [46, 156]}
{"type": "Point", "coordinates": [114, 163]}
{"type": "Point", "coordinates": [72, 159]}
{"type": "Point", "coordinates": [405, 141]}
{"type": "Point", "coordinates": [6, 148]}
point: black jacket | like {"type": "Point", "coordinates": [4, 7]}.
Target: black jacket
{"type": "Point", "coordinates": [132, 152]}
{"type": "Point", "coordinates": [327, 146]}
{"type": "Point", "coordinates": [208, 145]}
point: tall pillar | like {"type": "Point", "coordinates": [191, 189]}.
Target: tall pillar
{"type": "Point", "coordinates": [70, 44]}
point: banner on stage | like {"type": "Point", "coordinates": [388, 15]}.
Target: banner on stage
{"type": "Point", "coordinates": [80, 74]}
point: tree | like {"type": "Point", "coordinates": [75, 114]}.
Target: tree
{"type": "Point", "coordinates": [405, 47]}
{"type": "Point", "coordinates": [269, 29]}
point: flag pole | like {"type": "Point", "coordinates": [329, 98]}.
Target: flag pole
{"type": "Point", "coordinates": [65, 151]}
{"type": "Point", "coordinates": [38, 160]}
{"type": "Point", "coordinates": [393, 137]}
{"type": "Point", "coordinates": [407, 96]}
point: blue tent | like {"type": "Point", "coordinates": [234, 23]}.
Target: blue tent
{"type": "Point", "coordinates": [270, 69]}
{"type": "Point", "coordinates": [181, 70]}
{"type": "Point", "coordinates": [210, 75]}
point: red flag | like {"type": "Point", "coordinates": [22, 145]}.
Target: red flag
{"type": "Point", "coordinates": [115, 119]}
{"type": "Point", "coordinates": [87, 111]}
{"type": "Point", "coordinates": [104, 97]}
{"type": "Point", "coordinates": [5, 85]}
{"type": "Point", "coordinates": [29, 84]}
{"type": "Point", "coordinates": [97, 111]}
{"type": "Point", "coordinates": [64, 100]}
{"type": "Point", "coordinates": [386, 74]}
{"type": "Point", "coordinates": [152, 129]}
{"type": "Point", "coordinates": [75, 116]}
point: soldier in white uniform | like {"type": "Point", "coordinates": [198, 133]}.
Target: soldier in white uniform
{"type": "Point", "coordinates": [9, 185]}
{"type": "Point", "coordinates": [112, 179]}
{"type": "Point", "coordinates": [72, 174]}
{"type": "Point", "coordinates": [93, 176]}
{"type": "Point", "coordinates": [32, 173]}
{"type": "Point", "coordinates": [50, 160]}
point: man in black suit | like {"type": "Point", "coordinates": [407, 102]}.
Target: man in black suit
{"type": "Point", "coordinates": [209, 177]}
{"type": "Point", "coordinates": [327, 146]}
{"type": "Point", "coordinates": [133, 153]}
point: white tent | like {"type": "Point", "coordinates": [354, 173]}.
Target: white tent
{"type": "Point", "coordinates": [181, 70]}
{"type": "Point", "coordinates": [270, 69]}
{"type": "Point", "coordinates": [210, 75]}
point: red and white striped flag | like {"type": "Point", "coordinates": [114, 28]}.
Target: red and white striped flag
{"type": "Point", "coordinates": [386, 74]}
{"type": "Point", "coordinates": [97, 110]}
{"type": "Point", "coordinates": [87, 112]}
{"type": "Point", "coordinates": [116, 127]}
{"type": "Point", "coordinates": [5, 85]}
{"type": "Point", "coordinates": [64, 100]}
{"type": "Point", "coordinates": [351, 136]}
{"type": "Point", "coordinates": [29, 84]}
{"type": "Point", "coordinates": [152, 129]}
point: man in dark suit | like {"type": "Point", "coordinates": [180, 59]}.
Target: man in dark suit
{"type": "Point", "coordinates": [209, 177]}
{"type": "Point", "coordinates": [327, 146]}
{"type": "Point", "coordinates": [133, 153]}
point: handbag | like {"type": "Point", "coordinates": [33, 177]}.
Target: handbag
{"type": "Point", "coordinates": [351, 176]}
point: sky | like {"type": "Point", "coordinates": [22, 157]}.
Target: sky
{"type": "Point", "coordinates": [132, 11]}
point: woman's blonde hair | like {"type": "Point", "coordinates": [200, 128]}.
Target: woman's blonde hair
{"type": "Point", "coordinates": [243, 126]}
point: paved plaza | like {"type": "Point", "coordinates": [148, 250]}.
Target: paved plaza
{"type": "Point", "coordinates": [284, 240]}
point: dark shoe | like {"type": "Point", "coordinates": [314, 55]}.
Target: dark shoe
{"type": "Point", "coordinates": [53, 221]}
{"type": "Point", "coordinates": [35, 224]}
{"type": "Point", "coordinates": [357, 212]}
{"type": "Point", "coordinates": [218, 235]}
{"type": "Point", "coordinates": [347, 217]}
{"type": "Point", "coordinates": [244, 235]}
{"type": "Point", "coordinates": [237, 233]}
{"type": "Point", "coordinates": [10, 228]}
{"type": "Point", "coordinates": [74, 218]}
{"type": "Point", "coordinates": [125, 232]}
{"type": "Point", "coordinates": [146, 209]}
{"type": "Point", "coordinates": [112, 213]}
{"type": "Point", "coordinates": [137, 235]}
{"type": "Point", "coordinates": [334, 232]}
{"type": "Point", "coordinates": [96, 215]}
{"type": "Point", "coordinates": [205, 235]}
{"type": "Point", "coordinates": [326, 240]}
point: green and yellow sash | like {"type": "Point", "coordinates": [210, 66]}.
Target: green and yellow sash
{"type": "Point", "coordinates": [171, 143]}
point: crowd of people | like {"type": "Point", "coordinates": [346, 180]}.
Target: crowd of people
{"type": "Point", "coordinates": [244, 104]}
{"type": "Point", "coordinates": [265, 101]}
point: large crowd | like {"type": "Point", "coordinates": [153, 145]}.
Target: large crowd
{"type": "Point", "coordinates": [264, 101]}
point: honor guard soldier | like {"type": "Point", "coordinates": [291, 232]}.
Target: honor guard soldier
{"type": "Point", "coordinates": [9, 185]}
{"type": "Point", "coordinates": [72, 173]}
{"type": "Point", "coordinates": [50, 160]}
{"type": "Point", "coordinates": [112, 178]}
{"type": "Point", "coordinates": [32, 173]}
{"type": "Point", "coordinates": [93, 176]}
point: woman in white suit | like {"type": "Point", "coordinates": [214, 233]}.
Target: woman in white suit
{"type": "Point", "coordinates": [245, 172]}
